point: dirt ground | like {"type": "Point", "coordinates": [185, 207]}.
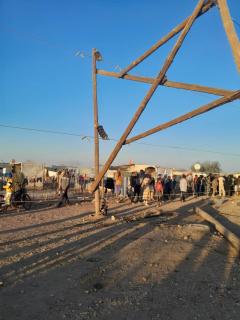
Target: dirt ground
{"type": "Point", "coordinates": [142, 263]}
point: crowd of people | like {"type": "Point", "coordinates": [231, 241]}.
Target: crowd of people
{"type": "Point", "coordinates": [143, 186]}
{"type": "Point", "coordinates": [148, 187]}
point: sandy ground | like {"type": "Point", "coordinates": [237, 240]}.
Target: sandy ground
{"type": "Point", "coordinates": [67, 264]}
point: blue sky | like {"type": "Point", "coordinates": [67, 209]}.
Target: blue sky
{"type": "Point", "coordinates": [43, 84]}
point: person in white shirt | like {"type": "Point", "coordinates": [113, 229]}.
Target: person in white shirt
{"type": "Point", "coordinates": [183, 187]}
{"type": "Point", "coordinates": [221, 188]}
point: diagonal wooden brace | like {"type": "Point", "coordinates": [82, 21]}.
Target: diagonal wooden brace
{"type": "Point", "coordinates": [208, 5]}
{"type": "Point", "coordinates": [189, 115]}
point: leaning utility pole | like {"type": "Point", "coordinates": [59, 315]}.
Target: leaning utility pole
{"type": "Point", "coordinates": [96, 137]}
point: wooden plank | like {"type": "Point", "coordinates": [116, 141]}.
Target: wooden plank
{"type": "Point", "coordinates": [96, 137]}
{"type": "Point", "coordinates": [189, 115]}
{"type": "Point", "coordinates": [230, 31]}
{"type": "Point", "coordinates": [170, 84]}
{"type": "Point", "coordinates": [229, 235]}
{"type": "Point", "coordinates": [148, 96]}
{"type": "Point", "coordinates": [169, 36]}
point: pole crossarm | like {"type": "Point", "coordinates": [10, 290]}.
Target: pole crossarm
{"type": "Point", "coordinates": [189, 115]}
{"type": "Point", "coordinates": [149, 94]}
{"type": "Point", "coordinates": [170, 84]}
{"type": "Point", "coordinates": [230, 31]}
{"type": "Point", "coordinates": [209, 4]}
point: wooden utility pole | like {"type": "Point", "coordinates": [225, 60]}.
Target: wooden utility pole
{"type": "Point", "coordinates": [230, 31]}
{"type": "Point", "coordinates": [96, 137]}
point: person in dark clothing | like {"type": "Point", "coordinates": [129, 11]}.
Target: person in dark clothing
{"type": "Point", "coordinates": [167, 188]}
{"type": "Point", "coordinates": [195, 185]}
{"type": "Point", "coordinates": [18, 179]}
{"type": "Point", "coordinates": [227, 186]}
{"type": "Point", "coordinates": [109, 184]}
{"type": "Point", "coordinates": [202, 185]}
{"type": "Point", "coordinates": [174, 187]}
{"type": "Point", "coordinates": [230, 185]}
{"type": "Point", "coordinates": [198, 186]}
{"type": "Point", "coordinates": [19, 182]}
{"type": "Point", "coordinates": [135, 187]}
{"type": "Point", "coordinates": [65, 184]}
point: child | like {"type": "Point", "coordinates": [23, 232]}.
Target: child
{"type": "Point", "coordinates": [8, 189]}
{"type": "Point", "coordinates": [159, 191]}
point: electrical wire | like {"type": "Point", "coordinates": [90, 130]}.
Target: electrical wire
{"type": "Point", "coordinates": [76, 52]}
{"type": "Point", "coordinates": [90, 137]}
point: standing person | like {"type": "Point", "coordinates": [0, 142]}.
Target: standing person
{"type": "Point", "coordinates": [81, 183]}
{"type": "Point", "coordinates": [198, 185]}
{"type": "Point", "coordinates": [221, 181]}
{"type": "Point", "coordinates": [227, 186]}
{"type": "Point", "coordinates": [183, 187]}
{"type": "Point", "coordinates": [159, 191]}
{"type": "Point", "coordinates": [65, 184]}
{"type": "Point", "coordinates": [146, 189]}
{"type": "Point", "coordinates": [141, 177]}
{"type": "Point", "coordinates": [208, 184]}
{"type": "Point", "coordinates": [214, 186]}
{"type": "Point", "coordinates": [232, 184]}
{"type": "Point", "coordinates": [109, 184]}
{"type": "Point", "coordinates": [202, 185]}
{"type": "Point", "coordinates": [85, 182]}
{"type": "Point", "coordinates": [167, 187]}
{"type": "Point", "coordinates": [8, 191]}
{"type": "Point", "coordinates": [18, 182]}
{"type": "Point", "coordinates": [174, 187]}
{"type": "Point", "coordinates": [152, 188]}
{"type": "Point", "coordinates": [118, 183]}
{"type": "Point", "coordinates": [195, 185]}
{"type": "Point", "coordinates": [135, 187]}
{"type": "Point", "coordinates": [59, 183]}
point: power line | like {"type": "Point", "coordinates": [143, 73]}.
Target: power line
{"type": "Point", "coordinates": [89, 137]}
{"type": "Point", "coordinates": [46, 131]}
{"type": "Point", "coordinates": [76, 52]}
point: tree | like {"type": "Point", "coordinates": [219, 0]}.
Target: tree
{"type": "Point", "coordinates": [208, 167]}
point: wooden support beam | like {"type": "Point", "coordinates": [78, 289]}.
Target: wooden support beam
{"type": "Point", "coordinates": [230, 31]}
{"type": "Point", "coordinates": [189, 115]}
{"type": "Point", "coordinates": [96, 137]}
{"type": "Point", "coordinates": [148, 96]}
{"type": "Point", "coordinates": [229, 235]}
{"type": "Point", "coordinates": [170, 84]}
{"type": "Point", "coordinates": [169, 36]}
